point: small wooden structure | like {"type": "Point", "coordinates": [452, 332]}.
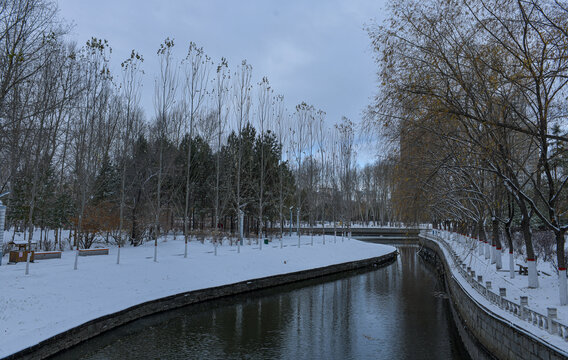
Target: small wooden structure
{"type": "Point", "coordinates": [20, 256]}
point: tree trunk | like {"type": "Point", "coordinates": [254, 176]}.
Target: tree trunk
{"type": "Point", "coordinates": [496, 244]}
{"type": "Point", "coordinates": [561, 266]}
{"type": "Point", "coordinates": [509, 237]}
{"type": "Point", "coordinates": [481, 242]}
{"type": "Point", "coordinates": [531, 257]}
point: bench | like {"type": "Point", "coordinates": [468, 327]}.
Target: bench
{"type": "Point", "coordinates": [91, 252]}
{"type": "Point", "coordinates": [48, 255]}
{"type": "Point", "coordinates": [523, 270]}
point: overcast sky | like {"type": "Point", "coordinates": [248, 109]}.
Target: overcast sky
{"type": "Point", "coordinates": [312, 51]}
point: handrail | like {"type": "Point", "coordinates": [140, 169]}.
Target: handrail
{"type": "Point", "coordinates": [549, 323]}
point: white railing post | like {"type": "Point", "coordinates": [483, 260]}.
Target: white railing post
{"type": "Point", "coordinates": [552, 316]}
{"type": "Point", "coordinates": [524, 305]}
{"type": "Point", "coordinates": [550, 322]}
{"type": "Point", "coordinates": [502, 295]}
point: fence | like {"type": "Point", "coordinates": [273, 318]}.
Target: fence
{"type": "Point", "coordinates": [547, 322]}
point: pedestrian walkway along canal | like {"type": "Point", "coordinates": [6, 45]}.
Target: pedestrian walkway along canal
{"type": "Point", "coordinates": [395, 312]}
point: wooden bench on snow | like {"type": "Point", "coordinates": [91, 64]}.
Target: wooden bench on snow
{"type": "Point", "coordinates": [44, 255]}
{"type": "Point", "coordinates": [91, 252]}
{"type": "Point", "coordinates": [523, 270]}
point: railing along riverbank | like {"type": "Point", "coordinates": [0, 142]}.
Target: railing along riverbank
{"type": "Point", "coordinates": [548, 322]}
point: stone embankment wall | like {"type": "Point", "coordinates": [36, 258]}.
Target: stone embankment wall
{"type": "Point", "coordinates": [97, 326]}
{"type": "Point", "coordinates": [484, 333]}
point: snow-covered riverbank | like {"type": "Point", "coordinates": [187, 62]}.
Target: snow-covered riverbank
{"type": "Point", "coordinates": [55, 298]}
{"type": "Point", "coordinates": [539, 299]}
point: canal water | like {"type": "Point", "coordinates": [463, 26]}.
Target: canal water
{"type": "Point", "coordinates": [395, 312]}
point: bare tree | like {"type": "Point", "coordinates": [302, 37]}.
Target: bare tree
{"type": "Point", "coordinates": [241, 107]}
{"type": "Point", "coordinates": [303, 112]}
{"type": "Point", "coordinates": [282, 133]}
{"type": "Point", "coordinates": [265, 103]}
{"type": "Point", "coordinates": [87, 129]}
{"type": "Point", "coordinates": [24, 27]}
{"type": "Point", "coordinates": [197, 68]}
{"type": "Point", "coordinates": [164, 99]}
{"type": "Point", "coordinates": [131, 83]}
{"type": "Point", "coordinates": [346, 156]}
{"type": "Point", "coordinates": [221, 90]}
{"type": "Point", "coordinates": [310, 142]}
{"type": "Point", "coordinates": [321, 140]}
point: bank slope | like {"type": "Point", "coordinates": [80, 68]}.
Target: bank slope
{"type": "Point", "coordinates": [55, 298]}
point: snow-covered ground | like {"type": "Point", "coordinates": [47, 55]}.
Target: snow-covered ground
{"type": "Point", "coordinates": [539, 299]}
{"type": "Point", "coordinates": [54, 297]}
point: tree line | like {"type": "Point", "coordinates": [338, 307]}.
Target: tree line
{"type": "Point", "coordinates": [473, 97]}
{"type": "Point", "coordinates": [219, 153]}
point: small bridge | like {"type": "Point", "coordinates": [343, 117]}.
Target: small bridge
{"type": "Point", "coordinates": [370, 234]}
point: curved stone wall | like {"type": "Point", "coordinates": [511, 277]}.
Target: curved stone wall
{"type": "Point", "coordinates": [97, 326]}
{"type": "Point", "coordinates": [484, 333]}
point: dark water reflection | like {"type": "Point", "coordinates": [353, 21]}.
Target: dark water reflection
{"type": "Point", "coordinates": [388, 313]}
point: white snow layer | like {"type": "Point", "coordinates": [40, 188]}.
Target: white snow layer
{"type": "Point", "coordinates": [539, 299]}
{"type": "Point", "coordinates": [55, 298]}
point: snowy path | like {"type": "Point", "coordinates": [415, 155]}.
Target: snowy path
{"type": "Point", "coordinates": [55, 298]}
{"type": "Point", "coordinates": [538, 299]}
